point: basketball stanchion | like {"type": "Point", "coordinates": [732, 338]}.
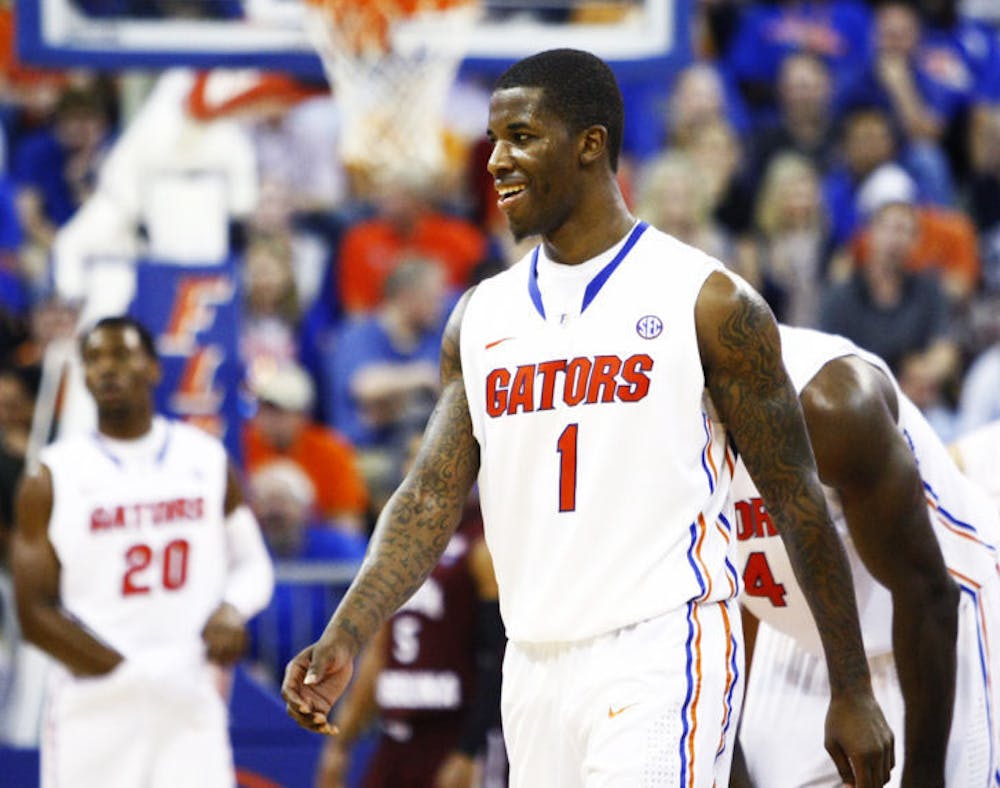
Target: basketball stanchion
{"type": "Point", "coordinates": [391, 64]}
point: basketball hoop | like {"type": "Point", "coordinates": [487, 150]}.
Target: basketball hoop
{"type": "Point", "coordinates": [391, 64]}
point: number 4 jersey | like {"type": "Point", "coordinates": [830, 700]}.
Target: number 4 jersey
{"type": "Point", "coordinates": [138, 528]}
{"type": "Point", "coordinates": [964, 520]}
{"type": "Point", "coordinates": [604, 478]}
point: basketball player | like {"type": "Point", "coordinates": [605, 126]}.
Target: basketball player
{"type": "Point", "coordinates": [432, 677]}
{"type": "Point", "coordinates": [922, 542]}
{"type": "Point", "coordinates": [592, 388]}
{"type": "Point", "coordinates": [136, 564]}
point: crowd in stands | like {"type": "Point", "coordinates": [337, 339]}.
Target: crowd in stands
{"type": "Point", "coordinates": [841, 155]}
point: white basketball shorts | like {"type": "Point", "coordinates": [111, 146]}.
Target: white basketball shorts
{"type": "Point", "coordinates": [782, 730]}
{"type": "Point", "coordinates": [129, 729]}
{"type": "Point", "coordinates": [653, 704]}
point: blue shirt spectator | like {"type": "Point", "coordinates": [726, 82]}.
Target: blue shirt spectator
{"type": "Point", "coordinates": [769, 32]}
{"type": "Point", "coordinates": [383, 368]}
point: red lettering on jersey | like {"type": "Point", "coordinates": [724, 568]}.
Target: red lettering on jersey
{"type": "Point", "coordinates": [496, 392]}
{"type": "Point", "coordinates": [548, 370]}
{"type": "Point", "coordinates": [634, 373]}
{"type": "Point", "coordinates": [754, 520]}
{"type": "Point", "coordinates": [602, 379]}
{"type": "Point", "coordinates": [577, 375]}
{"type": "Point", "coordinates": [100, 519]}
{"type": "Point", "coordinates": [522, 390]}
{"type": "Point", "coordinates": [118, 520]}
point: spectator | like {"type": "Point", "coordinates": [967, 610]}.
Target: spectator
{"type": "Point", "coordinates": [699, 96]}
{"type": "Point", "coordinates": [674, 198]}
{"type": "Point", "coordinates": [925, 90]}
{"type": "Point", "coordinates": [787, 261]}
{"type": "Point", "coordinates": [900, 315]}
{"type": "Point", "coordinates": [984, 189]}
{"type": "Point", "coordinates": [946, 239]}
{"type": "Point", "coordinates": [718, 155]}
{"type": "Point", "coordinates": [805, 122]}
{"type": "Point", "coordinates": [284, 500]}
{"type": "Point", "coordinates": [384, 375]}
{"type": "Point", "coordinates": [282, 428]}
{"type": "Point", "coordinates": [768, 32]}
{"type": "Point", "coordinates": [867, 140]}
{"type": "Point", "coordinates": [271, 312]}
{"type": "Point", "coordinates": [405, 225]}
{"type": "Point", "coordinates": [55, 169]}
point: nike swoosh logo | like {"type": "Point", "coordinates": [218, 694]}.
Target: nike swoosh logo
{"type": "Point", "coordinates": [612, 712]}
{"type": "Point", "coordinates": [496, 342]}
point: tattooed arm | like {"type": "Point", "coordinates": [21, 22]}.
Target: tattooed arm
{"type": "Point", "coordinates": [741, 355]}
{"type": "Point", "coordinates": [410, 536]}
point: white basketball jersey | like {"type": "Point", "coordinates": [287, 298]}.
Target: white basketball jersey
{"type": "Point", "coordinates": [966, 525]}
{"type": "Point", "coordinates": [140, 537]}
{"type": "Point", "coordinates": [604, 479]}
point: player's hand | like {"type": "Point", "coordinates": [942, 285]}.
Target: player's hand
{"type": "Point", "coordinates": [859, 740]}
{"type": "Point", "coordinates": [458, 770]}
{"type": "Point", "coordinates": [314, 680]}
{"type": "Point", "coordinates": [225, 635]}
{"type": "Point", "coordinates": [334, 764]}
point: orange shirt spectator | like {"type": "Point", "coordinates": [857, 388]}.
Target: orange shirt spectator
{"type": "Point", "coordinates": [282, 429]}
{"type": "Point", "coordinates": [405, 226]}
{"type": "Point", "coordinates": [946, 241]}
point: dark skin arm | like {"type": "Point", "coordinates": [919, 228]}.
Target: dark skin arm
{"type": "Point", "coordinates": [883, 501]}
{"type": "Point", "coordinates": [409, 538]}
{"type": "Point", "coordinates": [36, 568]}
{"type": "Point", "coordinates": [741, 355]}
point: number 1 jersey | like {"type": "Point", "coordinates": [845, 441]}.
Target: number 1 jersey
{"type": "Point", "coordinates": [604, 477]}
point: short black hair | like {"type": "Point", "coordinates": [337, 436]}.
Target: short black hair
{"type": "Point", "coordinates": [122, 322]}
{"type": "Point", "coordinates": [578, 86]}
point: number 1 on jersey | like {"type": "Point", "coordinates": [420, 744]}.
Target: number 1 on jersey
{"type": "Point", "coordinates": [566, 446]}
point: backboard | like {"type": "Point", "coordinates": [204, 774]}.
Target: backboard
{"type": "Point", "coordinates": [269, 34]}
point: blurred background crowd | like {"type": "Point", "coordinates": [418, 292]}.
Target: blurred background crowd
{"type": "Point", "coordinates": [841, 155]}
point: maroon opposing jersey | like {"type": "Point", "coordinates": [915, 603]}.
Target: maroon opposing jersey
{"type": "Point", "coordinates": [430, 665]}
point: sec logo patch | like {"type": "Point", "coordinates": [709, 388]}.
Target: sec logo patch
{"type": "Point", "coordinates": [649, 327]}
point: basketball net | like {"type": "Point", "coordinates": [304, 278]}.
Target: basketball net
{"type": "Point", "coordinates": [391, 64]}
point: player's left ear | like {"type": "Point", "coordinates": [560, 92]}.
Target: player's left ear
{"type": "Point", "coordinates": [593, 145]}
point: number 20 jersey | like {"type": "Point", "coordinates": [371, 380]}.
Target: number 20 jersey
{"type": "Point", "coordinates": [603, 477]}
{"type": "Point", "coordinates": [140, 537]}
{"type": "Point", "coordinates": [964, 521]}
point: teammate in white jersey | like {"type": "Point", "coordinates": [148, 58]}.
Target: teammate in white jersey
{"type": "Point", "coordinates": [587, 388]}
{"type": "Point", "coordinates": [136, 564]}
{"type": "Point", "coordinates": [922, 540]}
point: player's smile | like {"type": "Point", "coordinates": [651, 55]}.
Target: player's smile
{"type": "Point", "coordinates": [510, 195]}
